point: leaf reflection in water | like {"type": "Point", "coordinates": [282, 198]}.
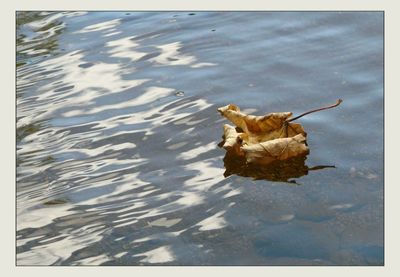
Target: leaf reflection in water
{"type": "Point", "coordinates": [278, 171]}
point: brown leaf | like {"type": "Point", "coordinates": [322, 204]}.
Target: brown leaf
{"type": "Point", "coordinates": [265, 138]}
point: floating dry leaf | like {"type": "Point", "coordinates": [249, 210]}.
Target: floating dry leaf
{"type": "Point", "coordinates": [265, 139]}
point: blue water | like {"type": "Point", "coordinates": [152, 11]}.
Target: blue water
{"type": "Point", "coordinates": [117, 138]}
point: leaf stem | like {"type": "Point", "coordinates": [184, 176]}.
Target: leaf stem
{"type": "Point", "coordinates": [317, 110]}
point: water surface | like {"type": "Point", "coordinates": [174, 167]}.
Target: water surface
{"type": "Point", "coordinates": [117, 138]}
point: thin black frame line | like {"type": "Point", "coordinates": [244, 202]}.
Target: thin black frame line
{"type": "Point", "coordinates": [128, 10]}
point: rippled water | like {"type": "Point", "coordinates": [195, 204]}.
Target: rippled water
{"type": "Point", "coordinates": [117, 138]}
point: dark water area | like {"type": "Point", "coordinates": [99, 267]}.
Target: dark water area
{"type": "Point", "coordinates": [117, 156]}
